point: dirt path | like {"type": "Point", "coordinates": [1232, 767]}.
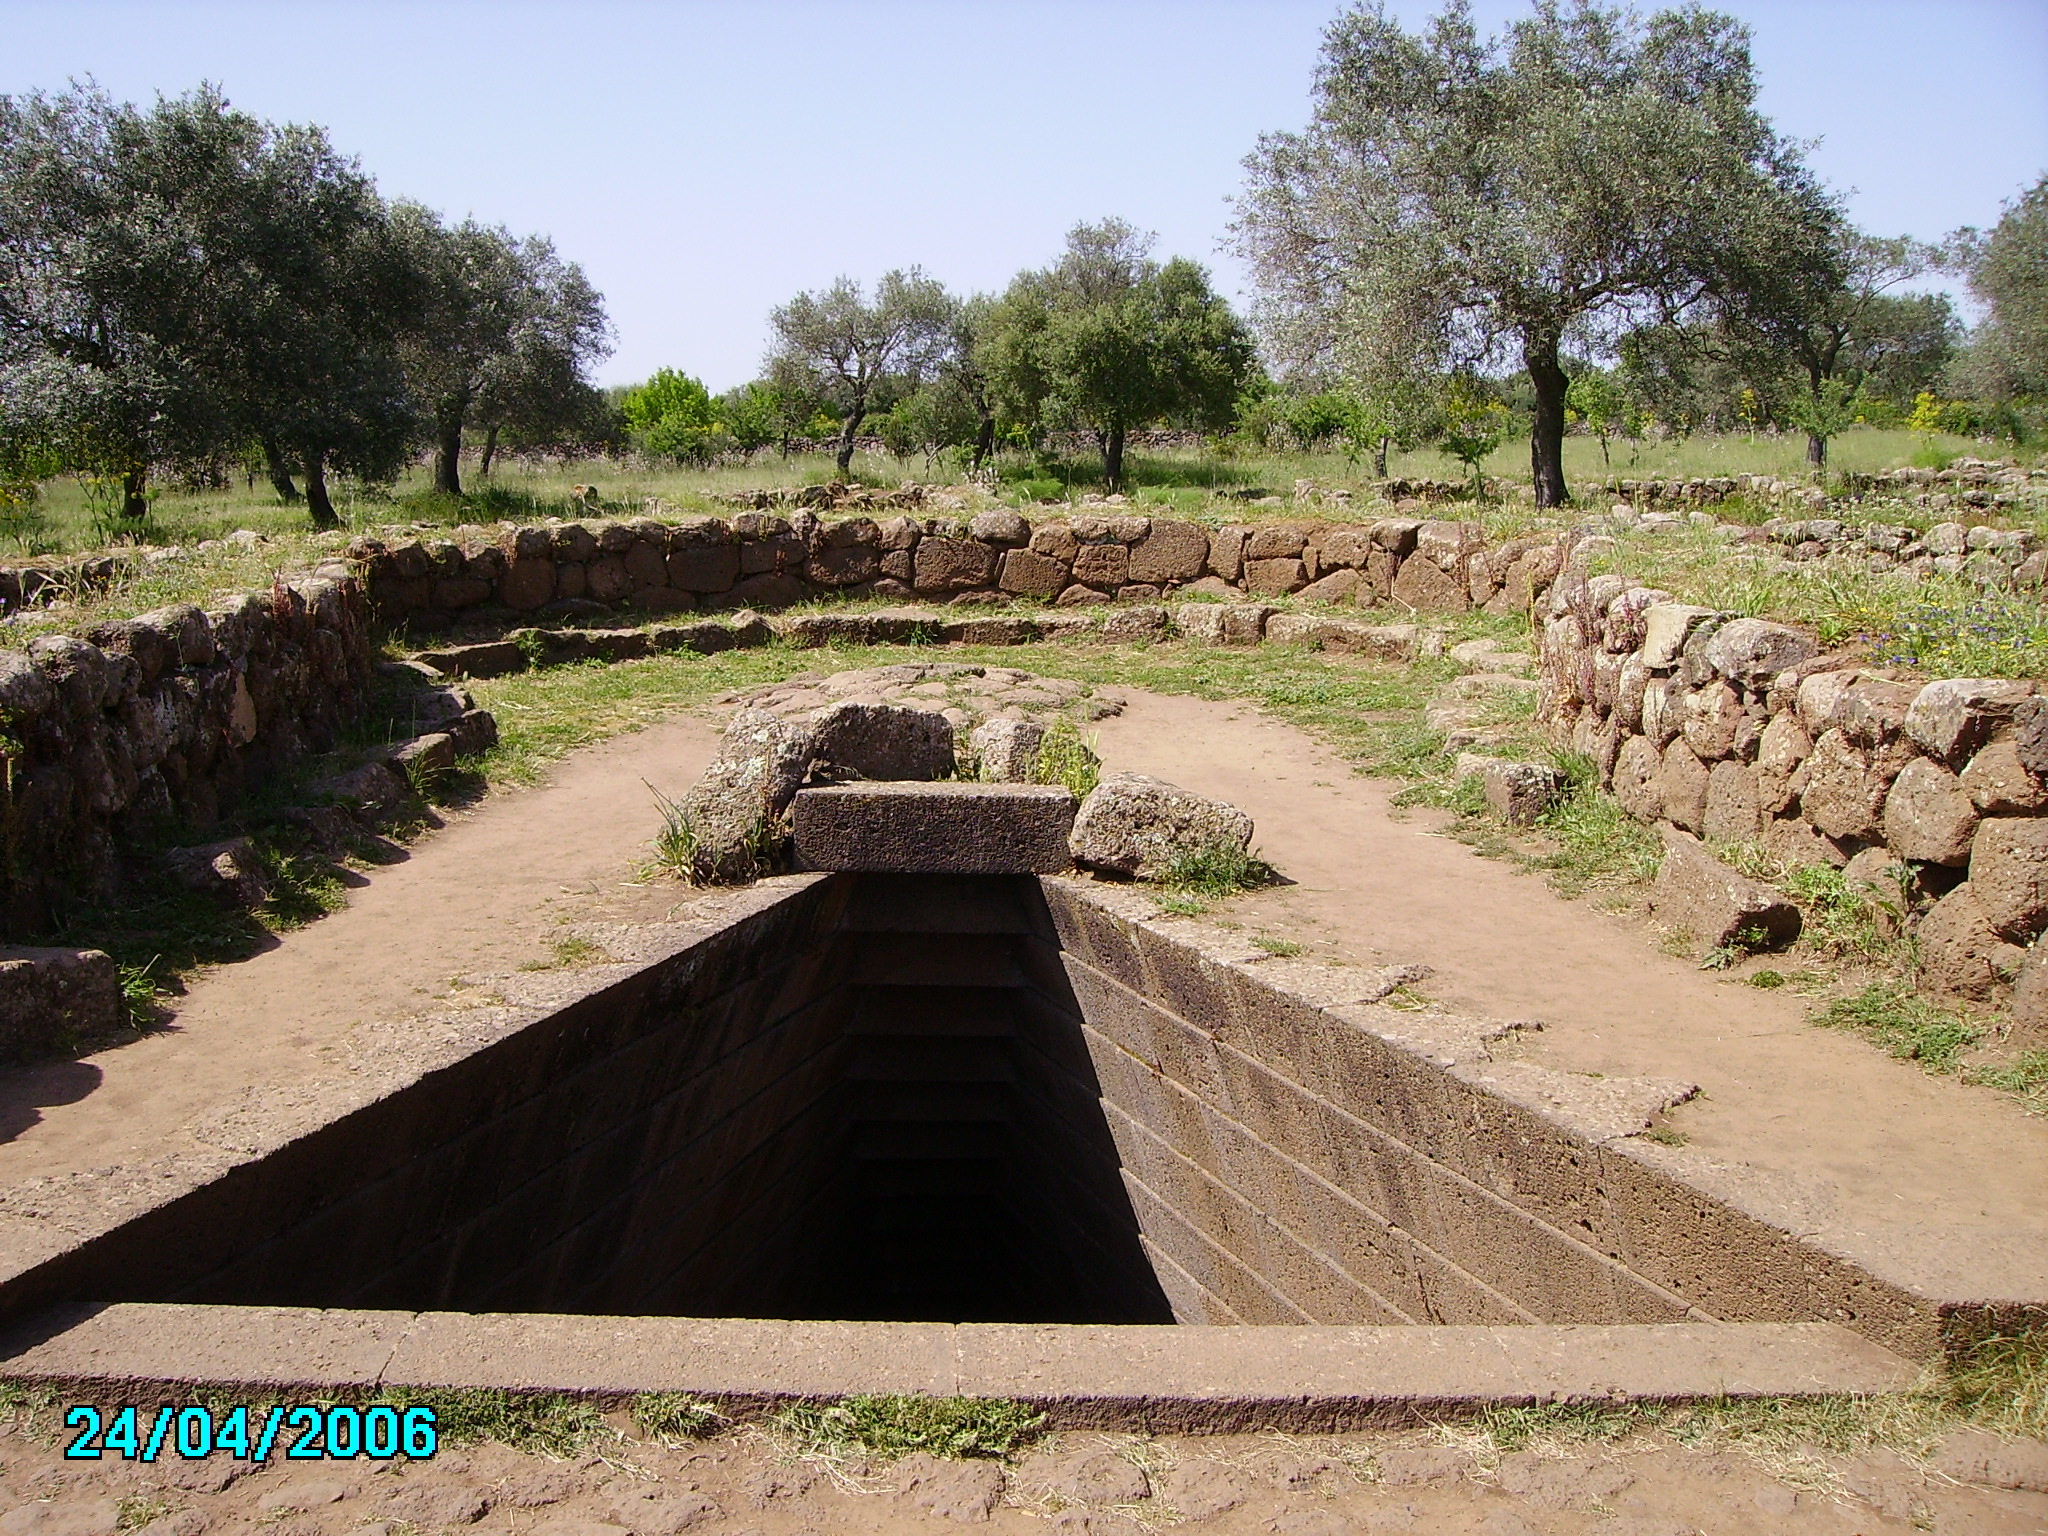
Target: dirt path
{"type": "Point", "coordinates": [1868, 1154]}
{"type": "Point", "coordinates": [485, 893]}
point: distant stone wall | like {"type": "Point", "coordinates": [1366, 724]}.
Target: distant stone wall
{"type": "Point", "coordinates": [164, 720]}
{"type": "Point", "coordinates": [1931, 797]}
{"type": "Point", "coordinates": [764, 560]}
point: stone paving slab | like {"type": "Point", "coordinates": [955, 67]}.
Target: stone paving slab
{"type": "Point", "coordinates": [1150, 1377]}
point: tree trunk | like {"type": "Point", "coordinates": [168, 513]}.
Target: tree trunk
{"type": "Point", "coordinates": [984, 440]}
{"type": "Point", "coordinates": [316, 488]}
{"type": "Point", "coordinates": [448, 448]}
{"type": "Point", "coordinates": [1113, 459]}
{"type": "Point", "coordinates": [280, 472]}
{"type": "Point", "coordinates": [490, 451]}
{"type": "Point", "coordinates": [1379, 458]}
{"type": "Point", "coordinates": [1546, 435]}
{"type": "Point", "coordinates": [134, 499]}
{"type": "Point", "coordinates": [847, 433]}
{"type": "Point", "coordinates": [1816, 452]}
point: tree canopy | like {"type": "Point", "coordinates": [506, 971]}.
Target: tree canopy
{"type": "Point", "coordinates": [185, 284]}
{"type": "Point", "coordinates": [2008, 272]}
{"type": "Point", "coordinates": [1110, 340]}
{"type": "Point", "coordinates": [1457, 201]}
{"type": "Point", "coordinates": [849, 351]}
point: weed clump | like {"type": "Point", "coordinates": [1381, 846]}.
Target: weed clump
{"type": "Point", "coordinates": [1221, 869]}
{"type": "Point", "coordinates": [674, 1416]}
{"type": "Point", "coordinates": [891, 1425]}
{"type": "Point", "coordinates": [547, 1422]}
{"type": "Point", "coordinates": [1065, 757]}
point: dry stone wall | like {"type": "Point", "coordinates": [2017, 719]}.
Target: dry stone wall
{"type": "Point", "coordinates": [1930, 796]}
{"type": "Point", "coordinates": [765, 560]}
{"type": "Point", "coordinates": [164, 719]}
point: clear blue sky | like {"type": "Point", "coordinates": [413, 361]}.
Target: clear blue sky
{"type": "Point", "coordinates": [705, 161]}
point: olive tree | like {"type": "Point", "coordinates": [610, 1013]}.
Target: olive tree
{"type": "Point", "coordinates": [1459, 203]}
{"type": "Point", "coordinates": [506, 323]}
{"type": "Point", "coordinates": [1810, 338]}
{"type": "Point", "coordinates": [126, 277]}
{"type": "Point", "coordinates": [851, 352]}
{"type": "Point", "coordinates": [2008, 272]}
{"type": "Point", "coordinates": [1110, 340]}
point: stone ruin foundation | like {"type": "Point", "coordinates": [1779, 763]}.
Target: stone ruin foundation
{"type": "Point", "coordinates": [876, 1129]}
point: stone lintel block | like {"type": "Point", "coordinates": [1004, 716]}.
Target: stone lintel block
{"type": "Point", "coordinates": [935, 828]}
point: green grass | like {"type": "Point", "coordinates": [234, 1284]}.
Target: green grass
{"type": "Point", "coordinates": [890, 1425]}
{"type": "Point", "coordinates": [676, 1416]}
{"type": "Point", "coordinates": [1206, 485]}
{"type": "Point", "coordinates": [1903, 1024]}
{"type": "Point", "coordinates": [546, 1422]}
{"type": "Point", "coordinates": [2025, 1077]}
{"type": "Point", "coordinates": [1219, 870]}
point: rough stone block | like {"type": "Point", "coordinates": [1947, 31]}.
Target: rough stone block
{"type": "Point", "coordinates": [1753, 651]}
{"type": "Point", "coordinates": [1030, 574]}
{"type": "Point", "coordinates": [1172, 551]}
{"type": "Point", "coordinates": [1999, 784]}
{"type": "Point", "coordinates": [1424, 586]}
{"type": "Point", "coordinates": [47, 995]}
{"type": "Point", "coordinates": [2009, 874]}
{"type": "Point", "coordinates": [953, 565]}
{"type": "Point", "coordinates": [1007, 750]}
{"type": "Point", "coordinates": [492, 658]}
{"type": "Point", "coordinates": [1666, 628]}
{"type": "Point", "coordinates": [1952, 718]}
{"type": "Point", "coordinates": [1961, 953]}
{"type": "Point", "coordinates": [1927, 817]}
{"type": "Point", "coordinates": [1517, 792]}
{"type": "Point", "coordinates": [944, 828]}
{"type": "Point", "coordinates": [1698, 894]}
{"type": "Point", "coordinates": [1132, 824]}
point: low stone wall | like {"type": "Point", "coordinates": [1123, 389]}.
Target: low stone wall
{"type": "Point", "coordinates": [767, 560]}
{"type": "Point", "coordinates": [1931, 796]}
{"type": "Point", "coordinates": [28, 586]}
{"type": "Point", "coordinates": [163, 720]}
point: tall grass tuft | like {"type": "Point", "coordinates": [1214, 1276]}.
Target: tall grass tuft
{"type": "Point", "coordinates": [1066, 757]}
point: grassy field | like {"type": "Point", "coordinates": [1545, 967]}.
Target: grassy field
{"type": "Point", "coordinates": [1201, 485]}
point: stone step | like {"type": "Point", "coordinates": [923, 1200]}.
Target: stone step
{"type": "Point", "coordinates": [1138, 1378]}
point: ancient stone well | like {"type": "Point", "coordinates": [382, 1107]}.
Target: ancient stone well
{"type": "Point", "coordinates": [1020, 1113]}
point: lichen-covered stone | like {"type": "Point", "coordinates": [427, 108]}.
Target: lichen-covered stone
{"type": "Point", "coordinates": [1927, 817]}
{"type": "Point", "coordinates": [1952, 718]}
{"type": "Point", "coordinates": [1006, 751]}
{"type": "Point", "coordinates": [1136, 825]}
{"type": "Point", "coordinates": [1844, 794]}
{"type": "Point", "coordinates": [1682, 787]}
{"type": "Point", "coordinates": [49, 997]}
{"type": "Point", "coordinates": [1753, 651]}
{"type": "Point", "coordinates": [2009, 874]}
{"type": "Point", "coordinates": [1999, 784]}
{"type": "Point", "coordinates": [1696, 894]}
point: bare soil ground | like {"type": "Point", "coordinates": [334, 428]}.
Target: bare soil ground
{"type": "Point", "coordinates": [1082, 1484]}
{"type": "Point", "coordinates": [1938, 1179]}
